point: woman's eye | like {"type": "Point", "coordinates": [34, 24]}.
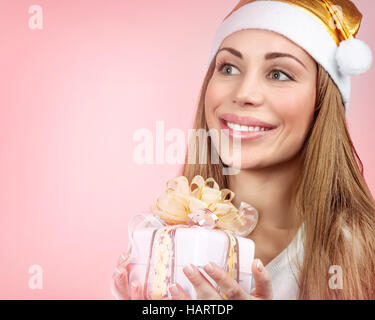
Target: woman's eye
{"type": "Point", "coordinates": [278, 74]}
{"type": "Point", "coordinates": [226, 68]}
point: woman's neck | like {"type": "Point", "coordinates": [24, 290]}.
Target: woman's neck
{"type": "Point", "coordinates": [269, 190]}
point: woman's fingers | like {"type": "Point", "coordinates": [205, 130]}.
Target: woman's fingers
{"type": "Point", "coordinates": [124, 291]}
{"type": "Point", "coordinates": [262, 278]}
{"type": "Point", "coordinates": [121, 287]}
{"type": "Point", "coordinates": [136, 291]}
{"type": "Point", "coordinates": [203, 287]}
{"type": "Point", "coordinates": [178, 293]}
{"type": "Point", "coordinates": [120, 284]}
{"type": "Point", "coordinates": [230, 287]}
{"type": "Point", "coordinates": [205, 290]}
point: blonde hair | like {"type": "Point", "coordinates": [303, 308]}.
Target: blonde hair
{"type": "Point", "coordinates": [331, 196]}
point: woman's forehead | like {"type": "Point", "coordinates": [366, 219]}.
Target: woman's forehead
{"type": "Point", "coordinates": [254, 41]}
{"type": "Point", "coordinates": [262, 38]}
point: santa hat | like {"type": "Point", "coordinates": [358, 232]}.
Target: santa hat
{"type": "Point", "coordinates": [326, 29]}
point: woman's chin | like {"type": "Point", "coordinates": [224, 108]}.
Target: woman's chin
{"type": "Point", "coordinates": [243, 163]}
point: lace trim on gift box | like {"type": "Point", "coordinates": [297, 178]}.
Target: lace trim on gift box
{"type": "Point", "coordinates": [232, 259]}
{"type": "Point", "coordinates": [160, 269]}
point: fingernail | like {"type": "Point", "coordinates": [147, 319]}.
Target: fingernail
{"type": "Point", "coordinates": [209, 268]}
{"type": "Point", "coordinates": [259, 265]}
{"type": "Point", "coordinates": [124, 256]}
{"type": "Point", "coordinates": [189, 270]}
{"type": "Point", "coordinates": [119, 270]}
{"type": "Point", "coordinates": [134, 285]}
{"type": "Point", "coordinates": [174, 290]}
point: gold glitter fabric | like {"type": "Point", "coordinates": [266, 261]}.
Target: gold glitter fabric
{"type": "Point", "coordinates": [341, 18]}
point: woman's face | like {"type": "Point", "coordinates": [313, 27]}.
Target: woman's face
{"type": "Point", "coordinates": [250, 80]}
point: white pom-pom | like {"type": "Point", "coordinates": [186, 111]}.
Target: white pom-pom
{"type": "Point", "coordinates": [353, 57]}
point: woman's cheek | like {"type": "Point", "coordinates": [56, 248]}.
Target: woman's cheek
{"type": "Point", "coordinates": [296, 126]}
{"type": "Point", "coordinates": [216, 95]}
{"type": "Point", "coordinates": [212, 102]}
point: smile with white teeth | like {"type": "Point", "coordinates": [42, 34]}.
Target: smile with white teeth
{"type": "Point", "coordinates": [237, 127]}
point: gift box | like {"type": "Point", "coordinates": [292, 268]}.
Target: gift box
{"type": "Point", "coordinates": [190, 224]}
{"type": "Point", "coordinates": [160, 254]}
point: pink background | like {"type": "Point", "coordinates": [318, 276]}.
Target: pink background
{"type": "Point", "coordinates": [72, 95]}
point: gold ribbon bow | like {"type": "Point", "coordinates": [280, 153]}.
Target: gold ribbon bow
{"type": "Point", "coordinates": [203, 205]}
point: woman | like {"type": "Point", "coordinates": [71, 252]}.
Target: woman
{"type": "Point", "coordinates": [274, 62]}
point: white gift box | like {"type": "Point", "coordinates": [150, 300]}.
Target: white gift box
{"type": "Point", "coordinates": [157, 261]}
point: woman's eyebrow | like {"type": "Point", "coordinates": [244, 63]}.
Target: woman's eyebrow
{"type": "Point", "coordinates": [268, 56]}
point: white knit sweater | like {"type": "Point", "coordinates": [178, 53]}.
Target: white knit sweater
{"type": "Point", "coordinates": [281, 268]}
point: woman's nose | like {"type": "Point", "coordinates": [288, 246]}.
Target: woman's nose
{"type": "Point", "coordinates": [249, 92]}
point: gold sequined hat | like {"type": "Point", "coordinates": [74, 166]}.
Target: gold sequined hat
{"type": "Point", "coordinates": [326, 29]}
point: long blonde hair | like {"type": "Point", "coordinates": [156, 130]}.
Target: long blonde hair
{"type": "Point", "coordinates": [331, 196]}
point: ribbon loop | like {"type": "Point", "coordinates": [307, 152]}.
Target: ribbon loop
{"type": "Point", "coordinates": [198, 203]}
{"type": "Point", "coordinates": [202, 217]}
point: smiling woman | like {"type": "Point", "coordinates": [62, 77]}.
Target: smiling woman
{"type": "Point", "coordinates": [316, 213]}
{"type": "Point", "coordinates": [278, 82]}
{"type": "Point", "coordinates": [257, 92]}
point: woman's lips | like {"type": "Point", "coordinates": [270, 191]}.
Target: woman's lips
{"type": "Point", "coordinates": [246, 121]}
{"type": "Point", "coordinates": [244, 135]}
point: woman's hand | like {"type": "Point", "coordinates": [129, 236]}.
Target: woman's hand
{"type": "Point", "coordinates": [228, 286]}
{"type": "Point", "coordinates": [120, 282]}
